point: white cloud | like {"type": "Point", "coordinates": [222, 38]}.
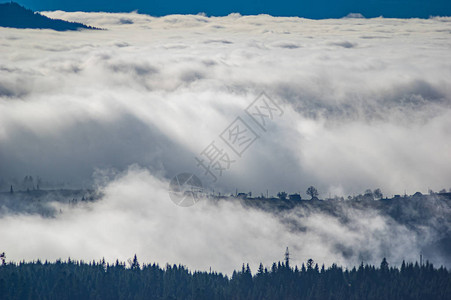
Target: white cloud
{"type": "Point", "coordinates": [367, 103]}
{"type": "Point", "coordinates": [374, 91]}
{"type": "Point", "coordinates": [136, 216]}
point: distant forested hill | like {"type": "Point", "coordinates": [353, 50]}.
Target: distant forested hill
{"type": "Point", "coordinates": [426, 216]}
{"type": "Point", "coordinates": [16, 16]}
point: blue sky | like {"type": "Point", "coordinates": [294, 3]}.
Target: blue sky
{"type": "Point", "coordinates": [315, 9]}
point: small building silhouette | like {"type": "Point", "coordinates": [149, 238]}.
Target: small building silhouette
{"type": "Point", "coordinates": [295, 197]}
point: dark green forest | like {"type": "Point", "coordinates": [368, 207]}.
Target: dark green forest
{"type": "Point", "coordinates": [100, 280]}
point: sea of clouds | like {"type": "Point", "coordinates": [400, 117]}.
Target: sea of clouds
{"type": "Point", "coordinates": [366, 103]}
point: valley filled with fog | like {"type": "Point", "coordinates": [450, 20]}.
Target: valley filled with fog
{"type": "Point", "coordinates": [117, 113]}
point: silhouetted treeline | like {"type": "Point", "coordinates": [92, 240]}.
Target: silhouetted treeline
{"type": "Point", "coordinates": [98, 280]}
{"type": "Point", "coordinates": [17, 16]}
{"type": "Point", "coordinates": [39, 201]}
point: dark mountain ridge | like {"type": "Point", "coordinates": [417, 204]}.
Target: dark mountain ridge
{"type": "Point", "coordinates": [14, 15]}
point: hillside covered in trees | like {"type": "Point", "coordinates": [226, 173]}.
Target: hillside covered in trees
{"type": "Point", "coordinates": [425, 217]}
{"type": "Point", "coordinates": [99, 280]}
